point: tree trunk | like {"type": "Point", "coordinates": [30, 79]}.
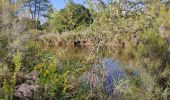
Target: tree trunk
{"type": "Point", "coordinates": [32, 16]}
{"type": "Point", "coordinates": [39, 8]}
{"type": "Point", "coordinates": [35, 9]}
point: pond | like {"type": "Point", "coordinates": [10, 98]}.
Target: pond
{"type": "Point", "coordinates": [113, 72]}
{"type": "Point", "coordinates": [106, 74]}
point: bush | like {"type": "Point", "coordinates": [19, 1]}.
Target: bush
{"type": "Point", "coordinates": [32, 55]}
{"type": "Point", "coordinates": [8, 87]}
{"type": "Point", "coordinates": [31, 24]}
{"type": "Point", "coordinates": [58, 76]}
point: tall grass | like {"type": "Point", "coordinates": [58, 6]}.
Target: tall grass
{"type": "Point", "coordinates": [8, 87]}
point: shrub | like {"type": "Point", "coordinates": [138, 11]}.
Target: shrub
{"type": "Point", "coordinates": [8, 87]}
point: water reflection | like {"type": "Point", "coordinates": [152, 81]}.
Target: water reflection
{"type": "Point", "coordinates": [112, 73]}
{"type": "Point", "coordinates": [106, 74]}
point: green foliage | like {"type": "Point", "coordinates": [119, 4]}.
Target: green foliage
{"type": "Point", "coordinates": [73, 16]}
{"type": "Point", "coordinates": [45, 26]}
{"type": "Point", "coordinates": [151, 45]}
{"type": "Point", "coordinates": [58, 78]}
{"type": "Point", "coordinates": [137, 30]}
{"type": "Point", "coordinates": [46, 71]}
{"type": "Point", "coordinates": [8, 88]}
{"type": "Point", "coordinates": [34, 53]}
{"type": "Point", "coordinates": [31, 24]}
{"type": "Point", "coordinates": [3, 46]}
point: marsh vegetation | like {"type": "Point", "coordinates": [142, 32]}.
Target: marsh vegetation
{"type": "Point", "coordinates": [119, 49]}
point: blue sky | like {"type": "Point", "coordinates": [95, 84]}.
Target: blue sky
{"type": "Point", "coordinates": [58, 4]}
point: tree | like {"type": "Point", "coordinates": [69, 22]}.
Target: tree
{"type": "Point", "coordinates": [37, 8]}
{"type": "Point", "coordinates": [73, 16]}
